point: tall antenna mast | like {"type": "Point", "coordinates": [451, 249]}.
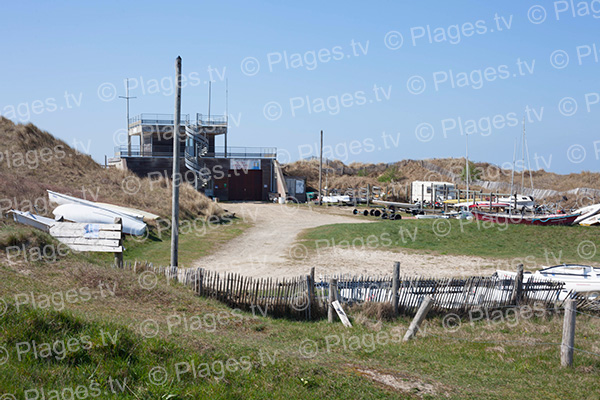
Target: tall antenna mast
{"type": "Point", "coordinates": [126, 97]}
{"type": "Point", "coordinates": [226, 113]}
{"type": "Point", "coordinates": [209, 96]}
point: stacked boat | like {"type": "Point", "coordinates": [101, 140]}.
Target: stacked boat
{"type": "Point", "coordinates": [85, 211]}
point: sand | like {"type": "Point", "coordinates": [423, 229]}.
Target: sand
{"type": "Point", "coordinates": [270, 249]}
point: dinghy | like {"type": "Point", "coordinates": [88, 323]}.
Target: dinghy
{"type": "Point", "coordinates": [587, 212]}
{"type": "Point", "coordinates": [90, 214]}
{"type": "Point", "coordinates": [60, 199]}
{"type": "Point", "coordinates": [578, 278]}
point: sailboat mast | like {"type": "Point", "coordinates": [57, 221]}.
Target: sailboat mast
{"type": "Point", "coordinates": [523, 159]}
{"type": "Point", "coordinates": [512, 177]}
{"type": "Point", "coordinates": [467, 168]}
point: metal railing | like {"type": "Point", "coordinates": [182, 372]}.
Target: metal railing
{"type": "Point", "coordinates": [242, 152]}
{"type": "Point", "coordinates": [216, 152]}
{"type": "Point", "coordinates": [169, 119]}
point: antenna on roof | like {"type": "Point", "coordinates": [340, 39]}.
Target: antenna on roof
{"type": "Point", "coordinates": [226, 114]}
{"type": "Point", "coordinates": [209, 96]}
{"type": "Point", "coordinates": [127, 97]}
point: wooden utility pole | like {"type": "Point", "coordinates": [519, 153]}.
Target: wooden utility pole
{"type": "Point", "coordinates": [176, 173]}
{"type": "Point", "coordinates": [321, 172]}
{"type": "Point", "coordinates": [126, 97]}
{"type": "Point", "coordinates": [568, 337]}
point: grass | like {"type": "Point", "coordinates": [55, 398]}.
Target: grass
{"type": "Point", "coordinates": [483, 360]}
{"type": "Point", "coordinates": [140, 335]}
{"type": "Point", "coordinates": [196, 239]}
{"type": "Point", "coordinates": [534, 245]}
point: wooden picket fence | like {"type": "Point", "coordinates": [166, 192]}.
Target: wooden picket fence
{"type": "Point", "coordinates": [303, 298]}
{"type": "Point", "coordinates": [457, 295]}
{"type": "Point", "coordinates": [286, 298]}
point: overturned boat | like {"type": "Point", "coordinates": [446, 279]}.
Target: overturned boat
{"type": "Point", "coordinates": [582, 279]}
{"type": "Point", "coordinates": [544, 219]}
{"type": "Point", "coordinates": [89, 214]}
{"type": "Point", "coordinates": [60, 199]}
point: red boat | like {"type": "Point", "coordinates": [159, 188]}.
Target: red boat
{"type": "Point", "coordinates": [547, 219]}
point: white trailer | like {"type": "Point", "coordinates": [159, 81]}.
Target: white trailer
{"type": "Point", "coordinates": [432, 191]}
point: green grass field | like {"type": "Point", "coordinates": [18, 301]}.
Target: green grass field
{"type": "Point", "coordinates": [76, 325]}
{"type": "Point", "coordinates": [533, 245]}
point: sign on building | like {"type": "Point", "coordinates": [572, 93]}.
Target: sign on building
{"type": "Point", "coordinates": [244, 164]}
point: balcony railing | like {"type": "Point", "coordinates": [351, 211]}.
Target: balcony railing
{"type": "Point", "coordinates": [186, 119]}
{"type": "Point", "coordinates": [217, 152]}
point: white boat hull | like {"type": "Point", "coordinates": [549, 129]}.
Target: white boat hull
{"type": "Point", "coordinates": [89, 214]}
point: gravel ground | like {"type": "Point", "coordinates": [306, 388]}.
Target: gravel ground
{"type": "Point", "coordinates": [269, 249]}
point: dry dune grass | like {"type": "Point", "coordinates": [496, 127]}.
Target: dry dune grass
{"type": "Point", "coordinates": [357, 175]}
{"type": "Point", "coordinates": [33, 160]}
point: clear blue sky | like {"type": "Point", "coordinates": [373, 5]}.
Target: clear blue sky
{"type": "Point", "coordinates": [484, 61]}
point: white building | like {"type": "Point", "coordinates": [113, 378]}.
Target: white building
{"type": "Point", "coordinates": [432, 191]}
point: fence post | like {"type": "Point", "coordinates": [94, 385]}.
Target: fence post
{"type": "Point", "coordinates": [119, 255]}
{"type": "Point", "coordinates": [568, 336]}
{"type": "Point", "coordinates": [419, 317]}
{"type": "Point", "coordinates": [310, 285]}
{"type": "Point", "coordinates": [332, 297]}
{"type": "Point", "coordinates": [395, 287]}
{"type": "Point", "coordinates": [518, 289]}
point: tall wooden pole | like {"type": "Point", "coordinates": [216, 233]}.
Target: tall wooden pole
{"type": "Point", "coordinates": [176, 173]}
{"type": "Point", "coordinates": [321, 171]}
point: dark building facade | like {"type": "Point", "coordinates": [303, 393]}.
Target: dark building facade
{"type": "Point", "coordinates": [227, 173]}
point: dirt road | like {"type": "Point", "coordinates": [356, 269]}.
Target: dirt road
{"type": "Point", "coordinates": [269, 249]}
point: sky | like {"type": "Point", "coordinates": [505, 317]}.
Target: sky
{"type": "Point", "coordinates": [384, 80]}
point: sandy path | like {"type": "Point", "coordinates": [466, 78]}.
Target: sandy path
{"type": "Point", "coordinates": [269, 249]}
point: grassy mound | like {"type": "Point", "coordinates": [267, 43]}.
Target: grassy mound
{"type": "Point", "coordinates": [33, 160]}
